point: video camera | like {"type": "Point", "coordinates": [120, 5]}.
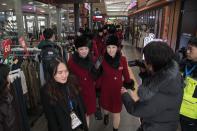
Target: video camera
{"type": "Point", "coordinates": [137, 62]}
{"type": "Point", "coordinates": [183, 51]}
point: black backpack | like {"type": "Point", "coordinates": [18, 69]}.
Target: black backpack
{"type": "Point", "coordinates": [50, 52]}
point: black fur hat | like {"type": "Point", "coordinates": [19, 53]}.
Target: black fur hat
{"type": "Point", "coordinates": [193, 41]}
{"type": "Point", "coordinates": [112, 40]}
{"type": "Point", "coordinates": [100, 30]}
{"type": "Point", "coordinates": [81, 41]}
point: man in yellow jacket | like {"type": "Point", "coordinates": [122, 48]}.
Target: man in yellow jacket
{"type": "Point", "coordinates": [188, 111]}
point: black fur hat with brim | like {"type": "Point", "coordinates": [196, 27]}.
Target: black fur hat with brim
{"type": "Point", "coordinates": [81, 41]}
{"type": "Point", "coordinates": [193, 41]}
{"type": "Point", "coordinates": [112, 40]}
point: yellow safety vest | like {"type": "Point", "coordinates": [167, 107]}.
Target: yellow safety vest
{"type": "Point", "coordinates": [189, 103]}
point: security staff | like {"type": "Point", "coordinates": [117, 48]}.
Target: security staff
{"type": "Point", "coordinates": [188, 109]}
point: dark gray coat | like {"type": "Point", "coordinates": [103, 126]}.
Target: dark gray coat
{"type": "Point", "coordinates": [160, 100]}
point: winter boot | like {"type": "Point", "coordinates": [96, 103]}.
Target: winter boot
{"type": "Point", "coordinates": [106, 119]}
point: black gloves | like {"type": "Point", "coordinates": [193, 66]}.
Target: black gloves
{"type": "Point", "coordinates": [129, 85]}
{"type": "Point", "coordinates": [139, 63]}
{"type": "Point", "coordinates": [96, 73]}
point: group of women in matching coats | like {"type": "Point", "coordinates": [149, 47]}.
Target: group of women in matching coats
{"type": "Point", "coordinates": [109, 76]}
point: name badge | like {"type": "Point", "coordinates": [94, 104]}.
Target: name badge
{"type": "Point", "coordinates": [75, 122]}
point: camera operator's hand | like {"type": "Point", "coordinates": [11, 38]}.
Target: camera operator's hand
{"type": "Point", "coordinates": [129, 85]}
{"type": "Point", "coordinates": [123, 90]}
{"type": "Point", "coordinates": [134, 96]}
{"type": "Point", "coordinates": [142, 69]}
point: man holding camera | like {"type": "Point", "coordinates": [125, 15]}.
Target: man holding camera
{"type": "Point", "coordinates": [158, 98]}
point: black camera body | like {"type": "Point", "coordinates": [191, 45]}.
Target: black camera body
{"type": "Point", "coordinates": [137, 62]}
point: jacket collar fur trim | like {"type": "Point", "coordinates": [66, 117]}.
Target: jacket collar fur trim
{"type": "Point", "coordinates": [159, 82]}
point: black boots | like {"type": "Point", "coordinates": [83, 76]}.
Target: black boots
{"type": "Point", "coordinates": [98, 114]}
{"type": "Point", "coordinates": [106, 119]}
{"type": "Point", "coordinates": [115, 129]}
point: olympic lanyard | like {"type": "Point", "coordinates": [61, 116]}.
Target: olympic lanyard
{"type": "Point", "coordinates": [188, 72]}
{"type": "Point", "coordinates": [70, 101]}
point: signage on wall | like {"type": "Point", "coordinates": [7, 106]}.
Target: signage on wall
{"type": "Point", "coordinates": [149, 38]}
{"type": "Point", "coordinates": [132, 4]}
{"type": "Point", "coordinates": [6, 47]}
{"type": "Point", "coordinates": [98, 18]}
{"type": "Point", "coordinates": [87, 6]}
{"type": "Point", "coordinates": [23, 44]}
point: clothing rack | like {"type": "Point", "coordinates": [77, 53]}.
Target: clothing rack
{"type": "Point", "coordinates": [19, 99]}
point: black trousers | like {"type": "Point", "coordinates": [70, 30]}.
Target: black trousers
{"type": "Point", "coordinates": [188, 124]}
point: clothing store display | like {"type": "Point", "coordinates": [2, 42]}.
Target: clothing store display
{"type": "Point", "coordinates": [20, 104]}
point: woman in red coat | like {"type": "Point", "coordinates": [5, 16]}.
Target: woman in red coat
{"type": "Point", "coordinates": [99, 40]}
{"type": "Point", "coordinates": [114, 70]}
{"type": "Point", "coordinates": [80, 64]}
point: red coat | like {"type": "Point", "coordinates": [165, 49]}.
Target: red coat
{"type": "Point", "coordinates": [94, 50]}
{"type": "Point", "coordinates": [86, 83]}
{"type": "Point", "coordinates": [100, 44]}
{"type": "Point", "coordinates": [111, 84]}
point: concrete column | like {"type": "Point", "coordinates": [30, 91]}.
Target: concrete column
{"type": "Point", "coordinates": [49, 17]}
{"type": "Point", "coordinates": [59, 25]}
{"type": "Point", "coordinates": [90, 16]}
{"type": "Point", "coordinates": [19, 17]}
{"type": "Point", "coordinates": [36, 33]}
{"type": "Point", "coordinates": [76, 12]}
{"type": "Point", "coordinates": [26, 28]}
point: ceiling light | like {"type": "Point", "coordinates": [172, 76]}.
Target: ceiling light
{"type": "Point", "coordinates": [43, 5]}
{"type": "Point", "coordinates": [10, 9]}
{"type": "Point", "coordinates": [108, 2]}
{"type": "Point", "coordinates": [30, 8]}
{"type": "Point", "coordinates": [116, 7]}
{"type": "Point", "coordinates": [115, 10]}
{"type": "Point", "coordinates": [42, 11]}
{"type": "Point", "coordinates": [31, 3]}
{"type": "Point", "coordinates": [3, 4]}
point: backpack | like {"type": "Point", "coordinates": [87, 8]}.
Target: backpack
{"type": "Point", "coordinates": [50, 52]}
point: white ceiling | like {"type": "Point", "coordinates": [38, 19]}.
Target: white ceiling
{"type": "Point", "coordinates": [117, 7]}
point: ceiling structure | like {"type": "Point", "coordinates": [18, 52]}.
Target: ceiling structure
{"type": "Point", "coordinates": [117, 7]}
{"type": "Point", "coordinates": [108, 7]}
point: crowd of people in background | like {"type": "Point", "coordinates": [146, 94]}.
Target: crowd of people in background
{"type": "Point", "coordinates": [97, 66]}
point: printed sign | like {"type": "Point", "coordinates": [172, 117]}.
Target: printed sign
{"type": "Point", "coordinates": [6, 47]}
{"type": "Point", "coordinates": [23, 44]}
{"type": "Point", "coordinates": [148, 39]}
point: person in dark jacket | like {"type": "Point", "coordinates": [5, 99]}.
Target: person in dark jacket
{"type": "Point", "coordinates": [7, 111]}
{"type": "Point", "coordinates": [188, 66]}
{"type": "Point", "coordinates": [158, 98]}
{"type": "Point", "coordinates": [99, 40]}
{"type": "Point", "coordinates": [61, 100]}
{"type": "Point", "coordinates": [49, 37]}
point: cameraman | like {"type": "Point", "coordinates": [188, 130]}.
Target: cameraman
{"type": "Point", "coordinates": [159, 97]}
{"type": "Point", "coordinates": [188, 110]}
